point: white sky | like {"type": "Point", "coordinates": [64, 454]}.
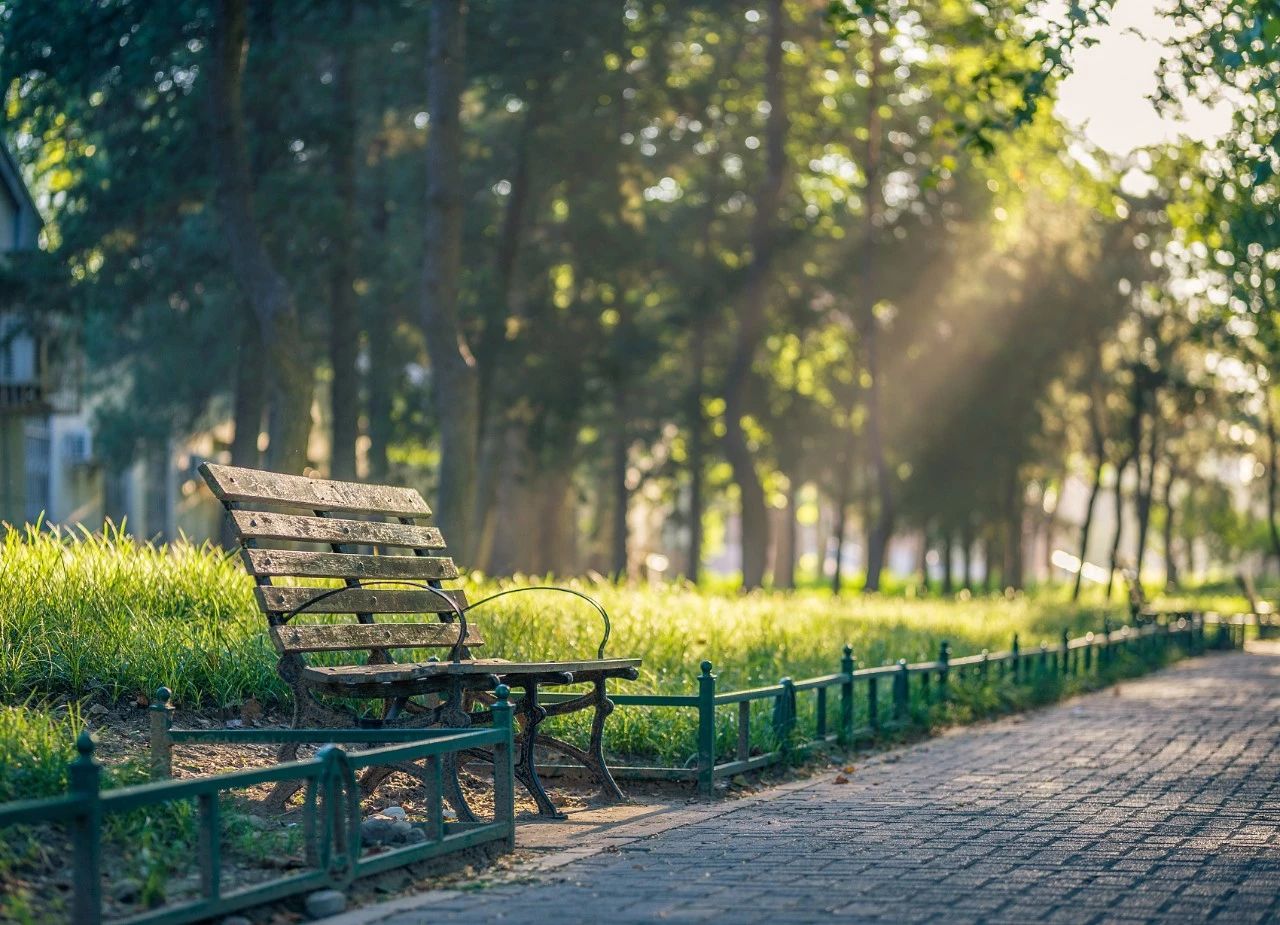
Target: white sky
{"type": "Point", "coordinates": [1107, 94]}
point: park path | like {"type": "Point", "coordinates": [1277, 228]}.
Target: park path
{"type": "Point", "coordinates": [1156, 802]}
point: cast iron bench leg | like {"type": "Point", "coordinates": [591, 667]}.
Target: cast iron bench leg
{"type": "Point", "coordinates": [533, 715]}
{"type": "Point", "coordinates": [596, 765]}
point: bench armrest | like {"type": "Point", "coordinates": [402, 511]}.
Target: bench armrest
{"type": "Point", "coordinates": [599, 608]}
{"type": "Point", "coordinates": [455, 654]}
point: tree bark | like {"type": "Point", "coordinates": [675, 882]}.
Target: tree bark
{"type": "Point", "coordinates": [869, 329]}
{"type": "Point", "coordinates": [246, 414]}
{"type": "Point", "coordinates": [1273, 473]}
{"type": "Point", "coordinates": [966, 539]}
{"type": "Point", "coordinates": [380, 318]}
{"type": "Point", "coordinates": [1119, 512]}
{"type": "Point", "coordinates": [948, 574]}
{"type": "Point", "coordinates": [289, 374]}
{"type": "Point", "coordinates": [784, 552]}
{"type": "Point", "coordinates": [454, 379]}
{"type": "Point", "coordinates": [697, 462]}
{"type": "Point", "coordinates": [1170, 560]}
{"type": "Point", "coordinates": [618, 546]}
{"type": "Point", "coordinates": [344, 324]}
{"type": "Point", "coordinates": [1095, 489]}
{"type": "Point", "coordinates": [496, 428]}
{"type": "Point", "coordinates": [1146, 492]}
{"type": "Point", "coordinates": [751, 313]}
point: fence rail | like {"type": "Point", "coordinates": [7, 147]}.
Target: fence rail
{"type": "Point", "coordinates": [881, 696]}
{"type": "Point", "coordinates": [331, 815]}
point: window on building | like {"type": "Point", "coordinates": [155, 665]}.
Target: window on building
{"type": "Point", "coordinates": [38, 453]}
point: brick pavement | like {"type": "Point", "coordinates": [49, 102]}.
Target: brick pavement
{"type": "Point", "coordinates": [1156, 803]}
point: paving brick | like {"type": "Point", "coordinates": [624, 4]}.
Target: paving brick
{"type": "Point", "coordinates": [1154, 805]}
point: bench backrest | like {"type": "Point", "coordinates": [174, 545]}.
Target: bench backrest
{"type": "Point", "coordinates": [368, 536]}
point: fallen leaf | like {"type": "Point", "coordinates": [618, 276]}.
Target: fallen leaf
{"type": "Point", "coordinates": [841, 779]}
{"type": "Point", "coordinates": [849, 768]}
{"type": "Point", "coordinates": [143, 701]}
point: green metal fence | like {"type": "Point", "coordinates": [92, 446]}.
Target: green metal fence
{"type": "Point", "coordinates": [856, 705]}
{"type": "Point", "coordinates": [331, 815]}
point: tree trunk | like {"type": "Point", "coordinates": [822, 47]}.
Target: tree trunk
{"type": "Point", "coordinates": [1115, 540]}
{"type": "Point", "coordinates": [1146, 491]}
{"type": "Point", "coordinates": [284, 353]}
{"type": "Point", "coordinates": [1170, 560]}
{"type": "Point", "coordinates": [948, 574]}
{"type": "Point", "coordinates": [966, 538]}
{"type": "Point", "coordinates": [1011, 573]}
{"type": "Point", "coordinates": [869, 329]}
{"type": "Point", "coordinates": [1273, 473]}
{"type": "Point", "coordinates": [784, 553]}
{"type": "Point", "coordinates": [1100, 461]}
{"type": "Point", "coordinates": [454, 380]}
{"type": "Point", "coordinates": [618, 547]}
{"type": "Point", "coordinates": [246, 411]}
{"type": "Point", "coordinates": [751, 313]}
{"type": "Point", "coordinates": [496, 394]}
{"type": "Point", "coordinates": [344, 324]}
{"type": "Point", "coordinates": [845, 474]}
{"type": "Point", "coordinates": [697, 463]}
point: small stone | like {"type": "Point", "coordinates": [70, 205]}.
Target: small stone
{"type": "Point", "coordinates": [395, 812]}
{"type": "Point", "coordinates": [126, 890]}
{"type": "Point", "coordinates": [257, 823]}
{"type": "Point", "coordinates": [450, 815]}
{"type": "Point", "coordinates": [376, 831]}
{"type": "Point", "coordinates": [98, 710]}
{"type": "Point", "coordinates": [415, 837]}
{"type": "Point", "coordinates": [401, 830]}
{"type": "Point", "coordinates": [234, 724]}
{"type": "Point", "coordinates": [324, 903]}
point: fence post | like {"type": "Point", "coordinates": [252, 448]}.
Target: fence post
{"type": "Point", "coordinates": [985, 668]}
{"type": "Point", "coordinates": [1066, 653]}
{"type": "Point", "coordinates": [161, 743]}
{"type": "Point", "coordinates": [1016, 660]}
{"type": "Point", "coordinates": [784, 719]}
{"type": "Point", "coordinates": [84, 779]}
{"type": "Point", "coordinates": [1104, 657]}
{"type": "Point", "coordinates": [707, 731]}
{"type": "Point", "coordinates": [944, 657]}
{"type": "Point", "coordinates": [1088, 653]}
{"type": "Point", "coordinates": [504, 790]}
{"type": "Point", "coordinates": [1044, 660]}
{"type": "Point", "coordinates": [901, 692]}
{"type": "Point", "coordinates": [847, 667]}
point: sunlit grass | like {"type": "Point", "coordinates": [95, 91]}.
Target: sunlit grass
{"type": "Point", "coordinates": [104, 616]}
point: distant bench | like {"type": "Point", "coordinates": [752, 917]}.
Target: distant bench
{"type": "Point", "coordinates": [279, 520]}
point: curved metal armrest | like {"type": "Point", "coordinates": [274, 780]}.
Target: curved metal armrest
{"type": "Point", "coordinates": [604, 614]}
{"type": "Point", "coordinates": [455, 654]}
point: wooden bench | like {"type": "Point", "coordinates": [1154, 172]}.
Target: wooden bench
{"type": "Point", "coordinates": [375, 541]}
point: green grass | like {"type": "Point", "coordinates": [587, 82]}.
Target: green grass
{"type": "Point", "coordinates": [102, 616]}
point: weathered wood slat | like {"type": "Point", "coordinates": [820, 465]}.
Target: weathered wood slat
{"type": "Point", "coordinates": [262, 525]}
{"type": "Point", "coordinates": [232, 483]}
{"type": "Point", "coordinates": [267, 562]}
{"type": "Point", "coordinates": [356, 600]}
{"type": "Point", "coordinates": [374, 674]}
{"type": "Point", "coordinates": [342, 637]}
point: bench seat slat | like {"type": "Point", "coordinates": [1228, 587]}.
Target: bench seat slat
{"type": "Point", "coordinates": [268, 562]}
{"type": "Point", "coordinates": [344, 637]}
{"type": "Point", "coordinates": [375, 674]}
{"type": "Point", "coordinates": [262, 525]}
{"type": "Point", "coordinates": [356, 600]}
{"type": "Point", "coordinates": [236, 484]}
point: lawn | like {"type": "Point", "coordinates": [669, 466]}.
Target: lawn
{"type": "Point", "coordinates": [103, 619]}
